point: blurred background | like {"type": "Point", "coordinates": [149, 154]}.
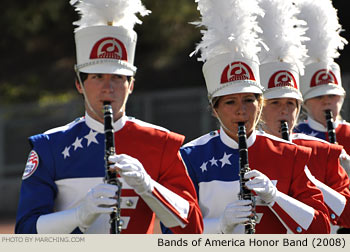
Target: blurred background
{"type": "Point", "coordinates": [37, 78]}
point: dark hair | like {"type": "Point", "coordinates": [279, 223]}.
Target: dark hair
{"type": "Point", "coordinates": [83, 77]}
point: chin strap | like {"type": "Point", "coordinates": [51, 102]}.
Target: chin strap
{"type": "Point", "coordinates": [84, 93]}
{"type": "Point", "coordinates": [223, 126]}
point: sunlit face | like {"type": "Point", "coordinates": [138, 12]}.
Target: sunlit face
{"type": "Point", "coordinates": [316, 106]}
{"type": "Point", "coordinates": [277, 110]}
{"type": "Point", "coordinates": [106, 87]}
{"type": "Point", "coordinates": [235, 108]}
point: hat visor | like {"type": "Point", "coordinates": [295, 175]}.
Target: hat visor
{"type": "Point", "coordinates": [329, 89]}
{"type": "Point", "coordinates": [282, 92]}
{"type": "Point", "coordinates": [107, 68]}
{"type": "Point", "coordinates": [238, 88]}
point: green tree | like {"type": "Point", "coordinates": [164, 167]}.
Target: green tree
{"type": "Point", "coordinates": [38, 50]}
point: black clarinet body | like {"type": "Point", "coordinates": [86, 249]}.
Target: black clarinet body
{"type": "Point", "coordinates": [330, 127]}
{"type": "Point", "coordinates": [111, 177]}
{"type": "Point", "coordinates": [284, 130]}
{"type": "Point", "coordinates": [245, 194]}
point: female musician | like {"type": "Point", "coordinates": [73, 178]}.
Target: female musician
{"type": "Point", "coordinates": [316, 124]}
{"type": "Point", "coordinates": [321, 85]}
{"type": "Point", "coordinates": [324, 161]}
{"type": "Point", "coordinates": [286, 200]}
{"type": "Point", "coordinates": [281, 109]}
{"type": "Point", "coordinates": [212, 163]}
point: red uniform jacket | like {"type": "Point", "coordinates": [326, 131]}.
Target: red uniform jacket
{"type": "Point", "coordinates": [324, 165]}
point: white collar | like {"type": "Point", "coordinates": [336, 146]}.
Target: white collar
{"type": "Point", "coordinates": [318, 126]}
{"type": "Point", "coordinates": [99, 127]}
{"type": "Point", "coordinates": [232, 143]}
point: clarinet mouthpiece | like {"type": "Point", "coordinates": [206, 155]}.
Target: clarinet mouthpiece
{"type": "Point", "coordinates": [285, 130]}
{"type": "Point", "coordinates": [329, 114]}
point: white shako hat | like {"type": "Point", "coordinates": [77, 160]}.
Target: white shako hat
{"type": "Point", "coordinates": [229, 46]}
{"type": "Point", "coordinates": [322, 74]}
{"type": "Point", "coordinates": [282, 62]}
{"type": "Point", "coordinates": [105, 39]}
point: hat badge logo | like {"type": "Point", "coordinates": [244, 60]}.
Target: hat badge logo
{"type": "Point", "coordinates": [236, 71]}
{"type": "Point", "coordinates": [109, 48]}
{"type": "Point", "coordinates": [282, 79]}
{"type": "Point", "coordinates": [323, 77]}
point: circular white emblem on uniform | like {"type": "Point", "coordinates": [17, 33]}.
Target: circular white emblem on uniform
{"type": "Point", "coordinates": [32, 164]}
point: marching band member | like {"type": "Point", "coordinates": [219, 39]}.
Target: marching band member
{"type": "Point", "coordinates": [286, 200]}
{"type": "Point", "coordinates": [62, 189]}
{"type": "Point", "coordinates": [321, 85]}
{"type": "Point", "coordinates": [279, 72]}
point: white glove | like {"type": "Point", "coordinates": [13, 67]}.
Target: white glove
{"type": "Point", "coordinates": [132, 171]}
{"type": "Point", "coordinates": [98, 200]}
{"type": "Point", "coordinates": [235, 213]}
{"type": "Point", "coordinates": [345, 161]}
{"type": "Point", "coordinates": [262, 185]}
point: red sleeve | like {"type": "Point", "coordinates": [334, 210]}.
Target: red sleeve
{"type": "Point", "coordinates": [305, 191]}
{"type": "Point", "coordinates": [343, 136]}
{"type": "Point", "coordinates": [338, 180]}
{"type": "Point", "coordinates": [174, 176]}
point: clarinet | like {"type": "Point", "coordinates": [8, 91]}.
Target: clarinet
{"type": "Point", "coordinates": [284, 130]}
{"type": "Point", "coordinates": [330, 127]}
{"type": "Point", "coordinates": [333, 140]}
{"type": "Point", "coordinates": [245, 194]}
{"type": "Point", "coordinates": [111, 177]}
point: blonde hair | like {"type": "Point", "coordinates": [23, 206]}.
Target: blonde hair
{"type": "Point", "coordinates": [214, 103]}
{"type": "Point", "coordinates": [299, 109]}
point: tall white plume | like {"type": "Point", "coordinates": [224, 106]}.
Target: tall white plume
{"type": "Point", "coordinates": [323, 30]}
{"type": "Point", "coordinates": [113, 12]}
{"type": "Point", "coordinates": [230, 26]}
{"type": "Point", "coordinates": [283, 33]}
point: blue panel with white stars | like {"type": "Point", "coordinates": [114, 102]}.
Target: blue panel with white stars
{"type": "Point", "coordinates": [69, 147]}
{"type": "Point", "coordinates": [307, 130]}
{"type": "Point", "coordinates": [211, 161]}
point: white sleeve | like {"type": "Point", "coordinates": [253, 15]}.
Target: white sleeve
{"type": "Point", "coordinates": [297, 210]}
{"type": "Point", "coordinates": [332, 198]}
{"type": "Point", "coordinates": [345, 161]}
{"type": "Point", "coordinates": [171, 209]}
{"type": "Point", "coordinates": [211, 226]}
{"type": "Point", "coordinates": [63, 222]}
